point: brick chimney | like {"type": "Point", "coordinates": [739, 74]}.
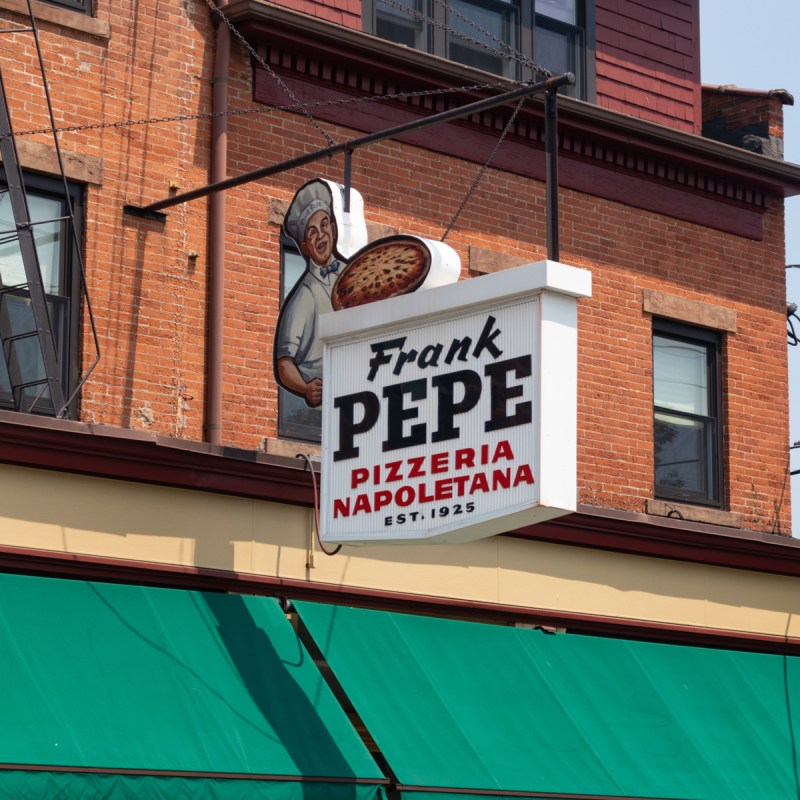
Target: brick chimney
{"type": "Point", "coordinates": [746, 118]}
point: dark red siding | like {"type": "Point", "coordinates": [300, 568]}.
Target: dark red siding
{"type": "Point", "coordinates": [648, 60]}
{"type": "Point", "coordinates": [343, 12]}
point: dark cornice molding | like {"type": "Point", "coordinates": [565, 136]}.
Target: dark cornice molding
{"type": "Point", "coordinates": [121, 454]}
{"type": "Point", "coordinates": [664, 537]}
{"type": "Point", "coordinates": [606, 153]}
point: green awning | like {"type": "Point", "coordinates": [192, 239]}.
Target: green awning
{"type": "Point", "coordinates": [119, 691]}
{"type": "Point", "coordinates": [465, 706]}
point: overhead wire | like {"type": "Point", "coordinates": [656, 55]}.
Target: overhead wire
{"type": "Point", "coordinates": [298, 105]}
{"type": "Point", "coordinates": [274, 75]}
{"type": "Point", "coordinates": [791, 313]}
{"type": "Point", "coordinates": [793, 340]}
{"type": "Point", "coordinates": [270, 109]}
{"type": "Point", "coordinates": [504, 49]}
{"type": "Point", "coordinates": [778, 504]}
{"type": "Point", "coordinates": [310, 466]}
{"type": "Point", "coordinates": [483, 170]}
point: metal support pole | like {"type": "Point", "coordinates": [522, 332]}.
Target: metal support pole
{"type": "Point", "coordinates": [152, 211]}
{"type": "Point", "coordinates": [215, 320]}
{"type": "Point", "coordinates": [551, 187]}
{"type": "Point", "coordinates": [348, 173]}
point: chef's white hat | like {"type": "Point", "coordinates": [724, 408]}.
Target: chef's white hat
{"type": "Point", "coordinates": [311, 197]}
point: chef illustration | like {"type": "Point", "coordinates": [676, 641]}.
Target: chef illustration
{"type": "Point", "coordinates": [312, 221]}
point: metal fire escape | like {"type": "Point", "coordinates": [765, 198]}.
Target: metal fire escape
{"type": "Point", "coordinates": [32, 334]}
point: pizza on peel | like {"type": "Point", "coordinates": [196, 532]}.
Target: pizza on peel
{"type": "Point", "coordinates": [385, 268]}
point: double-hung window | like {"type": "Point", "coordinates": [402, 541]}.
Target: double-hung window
{"type": "Point", "coordinates": [499, 36]}
{"type": "Point", "coordinates": [560, 40]}
{"type": "Point", "coordinates": [686, 413]}
{"type": "Point", "coordinates": [22, 369]}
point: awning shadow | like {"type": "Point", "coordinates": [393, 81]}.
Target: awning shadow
{"type": "Point", "coordinates": [286, 708]}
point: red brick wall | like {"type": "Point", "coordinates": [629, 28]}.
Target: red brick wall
{"type": "Point", "coordinates": [745, 118]}
{"type": "Point", "coordinates": [149, 294]}
{"type": "Point", "coordinates": [739, 110]}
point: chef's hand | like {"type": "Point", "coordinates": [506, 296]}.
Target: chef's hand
{"type": "Point", "coordinates": [313, 392]}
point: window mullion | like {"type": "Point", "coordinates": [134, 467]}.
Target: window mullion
{"type": "Point", "coordinates": [439, 33]}
{"type": "Point", "coordinates": [526, 36]}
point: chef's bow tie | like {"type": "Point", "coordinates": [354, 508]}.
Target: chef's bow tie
{"type": "Point", "coordinates": [332, 268]}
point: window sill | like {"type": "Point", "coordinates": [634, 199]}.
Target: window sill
{"type": "Point", "coordinates": [691, 513]}
{"type": "Point", "coordinates": [289, 448]}
{"type": "Point", "coordinates": [66, 18]}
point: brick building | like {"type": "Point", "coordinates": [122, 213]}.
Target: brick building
{"type": "Point", "coordinates": [170, 480]}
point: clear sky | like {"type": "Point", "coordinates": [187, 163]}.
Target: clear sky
{"type": "Point", "coordinates": [756, 46]}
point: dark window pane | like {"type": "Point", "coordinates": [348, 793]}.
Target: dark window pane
{"type": "Point", "coordinates": [296, 419]}
{"type": "Point", "coordinates": [492, 35]}
{"type": "Point", "coordinates": [496, 25]}
{"type": "Point", "coordinates": [559, 48]}
{"type": "Point", "coordinates": [48, 237]}
{"type": "Point", "coordinates": [680, 375]}
{"type": "Point", "coordinates": [400, 26]}
{"type": "Point", "coordinates": [23, 355]}
{"type": "Point", "coordinates": [21, 361]}
{"type": "Point", "coordinates": [562, 10]}
{"type": "Point", "coordinates": [78, 5]}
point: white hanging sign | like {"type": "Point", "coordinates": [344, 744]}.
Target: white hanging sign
{"type": "Point", "coordinates": [450, 414]}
